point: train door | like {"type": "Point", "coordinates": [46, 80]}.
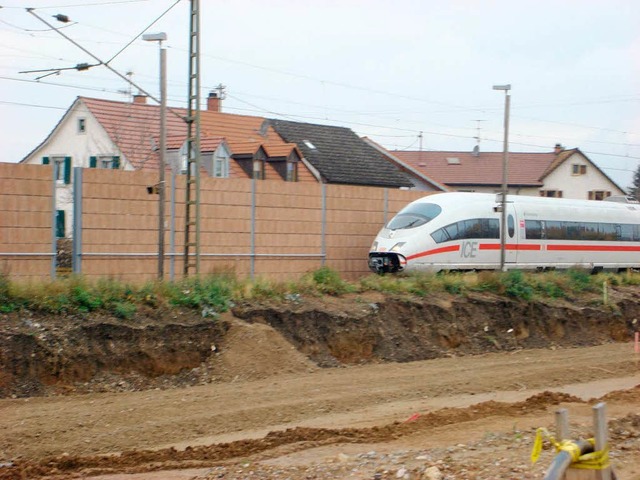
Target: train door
{"type": "Point", "coordinates": [511, 235]}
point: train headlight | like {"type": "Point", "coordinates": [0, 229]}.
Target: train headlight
{"type": "Point", "coordinates": [374, 246]}
{"type": "Point", "coordinates": [397, 246]}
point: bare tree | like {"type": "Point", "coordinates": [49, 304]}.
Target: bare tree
{"type": "Point", "coordinates": [634, 189]}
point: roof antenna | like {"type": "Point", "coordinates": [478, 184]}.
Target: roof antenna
{"type": "Point", "coordinates": [221, 91]}
{"type": "Point", "coordinates": [127, 91]}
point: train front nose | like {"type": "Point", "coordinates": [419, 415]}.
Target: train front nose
{"type": "Point", "coordinates": [386, 262]}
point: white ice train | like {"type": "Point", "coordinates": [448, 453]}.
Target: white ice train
{"type": "Point", "coordinates": [461, 231]}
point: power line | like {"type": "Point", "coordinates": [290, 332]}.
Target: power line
{"type": "Point", "coordinates": [79, 87]}
{"type": "Point", "coordinates": [3, 102]}
{"type": "Point", "coordinates": [147, 28]}
{"type": "Point", "coordinates": [76, 5]}
{"type": "Point", "coordinates": [577, 125]}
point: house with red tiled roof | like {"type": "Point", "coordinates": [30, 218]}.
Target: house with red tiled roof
{"type": "Point", "coordinates": [96, 133]}
{"type": "Point", "coordinates": [566, 173]}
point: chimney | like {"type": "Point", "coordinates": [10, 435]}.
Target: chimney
{"type": "Point", "coordinates": [213, 102]}
{"type": "Point", "coordinates": [140, 99]}
{"type": "Point", "coordinates": [558, 148]}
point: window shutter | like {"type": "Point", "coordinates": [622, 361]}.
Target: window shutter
{"type": "Point", "coordinates": [67, 170]}
{"type": "Point", "coordinates": [93, 162]}
{"type": "Point", "coordinates": [45, 160]}
{"type": "Point", "coordinates": [116, 163]}
{"type": "Point", "coordinates": [59, 223]}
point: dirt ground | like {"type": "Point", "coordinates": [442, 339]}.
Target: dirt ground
{"type": "Point", "coordinates": [246, 396]}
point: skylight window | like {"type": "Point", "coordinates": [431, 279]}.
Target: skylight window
{"type": "Point", "coordinates": [309, 144]}
{"type": "Point", "coordinates": [453, 161]}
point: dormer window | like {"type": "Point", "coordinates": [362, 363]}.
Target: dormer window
{"type": "Point", "coordinates": [82, 125]}
{"type": "Point", "coordinates": [292, 172]}
{"type": "Point", "coordinates": [220, 165]}
{"type": "Point", "coordinates": [258, 171]}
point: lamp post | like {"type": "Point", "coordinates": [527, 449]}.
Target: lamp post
{"type": "Point", "coordinates": [160, 37]}
{"type": "Point", "coordinates": [505, 159]}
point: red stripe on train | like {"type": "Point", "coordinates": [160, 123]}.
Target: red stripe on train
{"type": "Point", "coordinates": [509, 246]}
{"type": "Point", "coordinates": [531, 247]}
{"type": "Point", "coordinates": [595, 248]}
{"type": "Point", "coordinates": [452, 248]}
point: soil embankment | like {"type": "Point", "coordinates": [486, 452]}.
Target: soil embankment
{"type": "Point", "coordinates": [444, 385]}
{"type": "Point", "coordinates": [43, 355]}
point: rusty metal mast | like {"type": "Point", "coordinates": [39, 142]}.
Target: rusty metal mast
{"type": "Point", "coordinates": [192, 187]}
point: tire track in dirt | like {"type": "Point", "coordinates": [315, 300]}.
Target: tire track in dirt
{"type": "Point", "coordinates": [132, 461]}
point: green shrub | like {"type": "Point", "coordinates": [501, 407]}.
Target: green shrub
{"type": "Point", "coordinates": [550, 289]}
{"type": "Point", "coordinates": [580, 279]}
{"type": "Point", "coordinates": [124, 310]}
{"type": "Point", "coordinates": [59, 303]}
{"type": "Point", "coordinates": [7, 304]}
{"type": "Point", "coordinates": [262, 289]}
{"type": "Point", "coordinates": [488, 281]}
{"type": "Point", "coordinates": [213, 291]}
{"type": "Point", "coordinates": [422, 283]}
{"type": "Point", "coordinates": [85, 300]}
{"type": "Point", "coordinates": [453, 283]}
{"type": "Point", "coordinates": [516, 286]}
{"type": "Point", "coordinates": [328, 281]}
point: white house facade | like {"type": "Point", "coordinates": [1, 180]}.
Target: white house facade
{"type": "Point", "coordinates": [577, 177]}
{"type": "Point", "coordinates": [73, 143]}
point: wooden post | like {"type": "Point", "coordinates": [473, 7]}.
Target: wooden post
{"type": "Point", "coordinates": [562, 424]}
{"type": "Point", "coordinates": [600, 429]}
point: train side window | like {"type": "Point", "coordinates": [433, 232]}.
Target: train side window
{"type": "Point", "coordinates": [607, 231]}
{"type": "Point", "coordinates": [573, 230]}
{"type": "Point", "coordinates": [493, 228]}
{"type": "Point", "coordinates": [533, 229]}
{"type": "Point", "coordinates": [452, 231]}
{"type": "Point", "coordinates": [511, 226]}
{"type": "Point", "coordinates": [554, 230]}
{"type": "Point", "coordinates": [626, 232]}
{"type": "Point", "coordinates": [589, 231]}
{"type": "Point", "coordinates": [440, 236]}
{"type": "Point", "coordinates": [472, 229]}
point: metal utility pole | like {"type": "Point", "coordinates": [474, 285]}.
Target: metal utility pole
{"type": "Point", "coordinates": [505, 160]}
{"type": "Point", "coordinates": [163, 152]}
{"type": "Point", "coordinates": [192, 187]}
{"type": "Point", "coordinates": [160, 37]}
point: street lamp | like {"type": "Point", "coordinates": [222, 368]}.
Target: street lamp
{"type": "Point", "coordinates": [160, 37]}
{"type": "Point", "coordinates": [505, 159]}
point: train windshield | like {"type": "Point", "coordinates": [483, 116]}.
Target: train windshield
{"type": "Point", "coordinates": [414, 215]}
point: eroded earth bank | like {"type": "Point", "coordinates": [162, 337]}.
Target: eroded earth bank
{"type": "Point", "coordinates": [363, 386]}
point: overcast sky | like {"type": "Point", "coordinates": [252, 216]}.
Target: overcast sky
{"type": "Point", "coordinates": [387, 70]}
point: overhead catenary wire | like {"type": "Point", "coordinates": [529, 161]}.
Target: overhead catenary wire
{"type": "Point", "coordinates": [30, 10]}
